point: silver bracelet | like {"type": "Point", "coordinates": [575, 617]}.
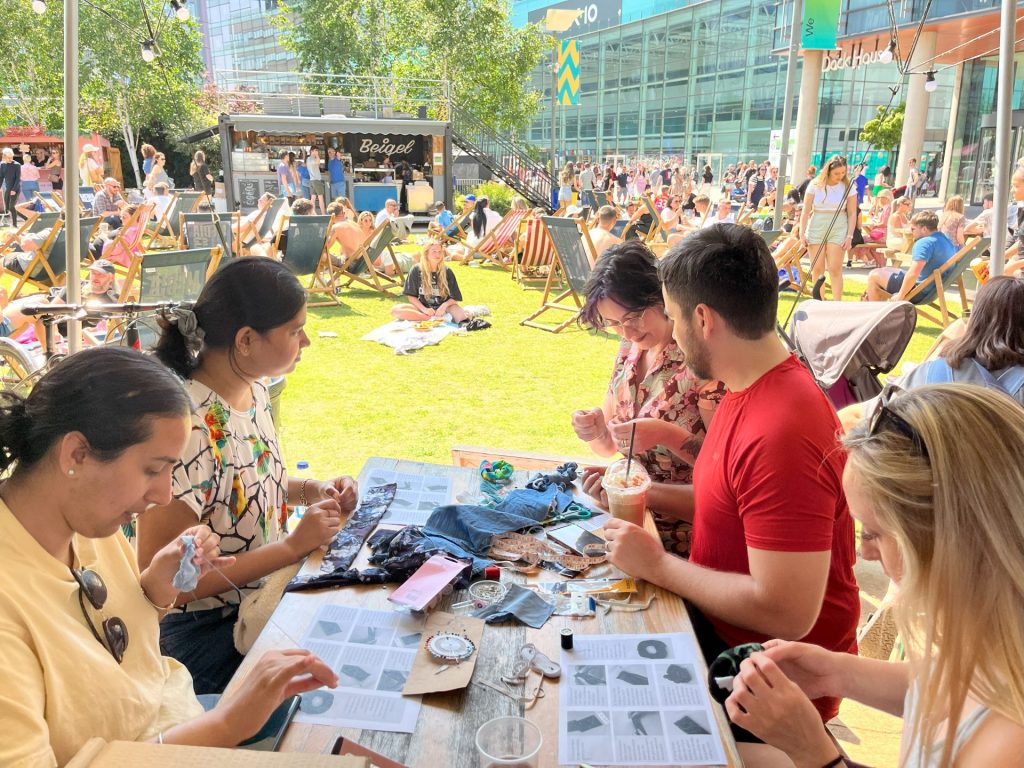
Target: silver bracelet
{"type": "Point", "coordinates": [160, 738]}
{"type": "Point", "coordinates": [159, 607]}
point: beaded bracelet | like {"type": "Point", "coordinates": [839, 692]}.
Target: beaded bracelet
{"type": "Point", "coordinates": [302, 493]}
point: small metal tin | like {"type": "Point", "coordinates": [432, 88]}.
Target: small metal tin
{"type": "Point", "coordinates": [566, 639]}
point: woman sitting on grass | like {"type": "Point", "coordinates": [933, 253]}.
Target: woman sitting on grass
{"type": "Point", "coordinates": [91, 447]}
{"type": "Point", "coordinates": [431, 288]}
{"type": "Point", "coordinates": [939, 506]}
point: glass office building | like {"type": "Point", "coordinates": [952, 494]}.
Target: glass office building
{"type": "Point", "coordinates": [238, 35]}
{"type": "Point", "coordinates": [689, 79]}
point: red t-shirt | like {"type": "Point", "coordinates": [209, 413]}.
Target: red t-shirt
{"type": "Point", "coordinates": [769, 477]}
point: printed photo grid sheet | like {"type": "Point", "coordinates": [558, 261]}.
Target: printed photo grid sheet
{"type": "Point", "coordinates": [415, 497]}
{"type": "Point", "coordinates": [372, 652]}
{"type": "Point", "coordinates": [636, 700]}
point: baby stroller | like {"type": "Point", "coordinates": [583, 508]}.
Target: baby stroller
{"type": "Point", "coordinates": [848, 344]}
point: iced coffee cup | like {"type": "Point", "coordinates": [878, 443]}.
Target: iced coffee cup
{"type": "Point", "coordinates": [627, 496]}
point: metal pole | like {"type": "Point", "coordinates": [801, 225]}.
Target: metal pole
{"type": "Point", "coordinates": [72, 233]}
{"type": "Point", "coordinates": [1003, 161]}
{"type": "Point", "coordinates": [554, 108]}
{"type": "Point", "coordinates": [787, 107]}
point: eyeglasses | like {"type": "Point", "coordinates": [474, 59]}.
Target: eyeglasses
{"type": "Point", "coordinates": [115, 633]}
{"type": "Point", "coordinates": [632, 320]}
{"type": "Point", "coordinates": [884, 416]}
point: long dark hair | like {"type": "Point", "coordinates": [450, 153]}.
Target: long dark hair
{"type": "Point", "coordinates": [259, 293]}
{"type": "Point", "coordinates": [626, 273]}
{"type": "Point", "coordinates": [995, 334]}
{"type": "Point", "coordinates": [480, 217]}
{"type": "Point", "coordinates": [109, 394]}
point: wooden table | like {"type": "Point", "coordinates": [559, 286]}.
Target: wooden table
{"type": "Point", "coordinates": [448, 722]}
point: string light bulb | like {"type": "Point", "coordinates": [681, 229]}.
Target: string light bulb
{"type": "Point", "coordinates": [39, 6]}
{"type": "Point", "coordinates": [148, 54]}
{"type": "Point", "coordinates": [180, 10]}
{"type": "Point", "coordinates": [886, 56]}
{"type": "Point", "coordinates": [930, 83]}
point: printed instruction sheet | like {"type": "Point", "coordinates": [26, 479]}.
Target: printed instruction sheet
{"type": "Point", "coordinates": [415, 497]}
{"type": "Point", "coordinates": [636, 700]}
{"type": "Point", "coordinates": [372, 652]}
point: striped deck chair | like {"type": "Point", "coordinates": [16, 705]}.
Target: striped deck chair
{"type": "Point", "coordinates": [498, 243]}
{"type": "Point", "coordinates": [535, 252]}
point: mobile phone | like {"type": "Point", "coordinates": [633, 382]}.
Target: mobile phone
{"type": "Point", "coordinates": [269, 737]}
{"type": "Point", "coordinates": [576, 538]}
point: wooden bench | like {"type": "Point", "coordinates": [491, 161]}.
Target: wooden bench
{"type": "Point", "coordinates": [472, 455]}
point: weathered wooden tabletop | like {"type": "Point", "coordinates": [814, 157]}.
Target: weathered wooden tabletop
{"type": "Point", "coordinates": [448, 722]}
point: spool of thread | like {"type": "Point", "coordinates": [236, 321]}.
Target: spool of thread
{"type": "Point", "coordinates": [566, 639]}
{"type": "Point", "coordinates": [492, 572]}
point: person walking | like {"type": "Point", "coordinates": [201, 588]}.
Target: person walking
{"type": "Point", "coordinates": [10, 182]}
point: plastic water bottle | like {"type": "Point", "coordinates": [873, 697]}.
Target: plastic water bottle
{"type": "Point", "coordinates": [301, 473]}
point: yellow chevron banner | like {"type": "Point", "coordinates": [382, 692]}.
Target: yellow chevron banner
{"type": "Point", "coordinates": [568, 87]}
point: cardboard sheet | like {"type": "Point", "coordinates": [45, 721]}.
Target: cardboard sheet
{"type": "Point", "coordinates": [130, 754]}
{"type": "Point", "coordinates": [425, 677]}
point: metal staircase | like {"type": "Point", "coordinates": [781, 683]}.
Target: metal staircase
{"type": "Point", "coordinates": [501, 156]}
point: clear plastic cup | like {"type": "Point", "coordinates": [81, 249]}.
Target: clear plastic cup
{"type": "Point", "coordinates": [510, 742]}
{"type": "Point", "coordinates": [627, 498]}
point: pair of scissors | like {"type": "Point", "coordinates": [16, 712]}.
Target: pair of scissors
{"type": "Point", "coordinates": [572, 512]}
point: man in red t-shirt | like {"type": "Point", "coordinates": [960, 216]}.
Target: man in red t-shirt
{"type": "Point", "coordinates": [772, 549]}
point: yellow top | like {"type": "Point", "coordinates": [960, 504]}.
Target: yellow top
{"type": "Point", "coordinates": [59, 686]}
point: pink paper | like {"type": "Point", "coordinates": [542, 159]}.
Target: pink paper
{"type": "Point", "coordinates": [428, 582]}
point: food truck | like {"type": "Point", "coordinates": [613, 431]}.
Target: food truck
{"type": "Point", "coordinates": [252, 146]}
{"type": "Point", "coordinates": [29, 139]}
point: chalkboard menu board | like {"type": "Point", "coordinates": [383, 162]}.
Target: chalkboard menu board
{"type": "Point", "coordinates": [272, 186]}
{"type": "Point", "coordinates": [566, 235]}
{"type": "Point", "coordinates": [248, 193]}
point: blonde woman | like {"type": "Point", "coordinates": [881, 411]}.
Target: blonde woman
{"type": "Point", "coordinates": [827, 222]}
{"type": "Point", "coordinates": [952, 221]}
{"type": "Point", "coordinates": [431, 288]}
{"type": "Point", "coordinates": [941, 511]}
{"type": "Point", "coordinates": [898, 226]}
{"type": "Point", "coordinates": [566, 178]}
{"type": "Point", "coordinates": [90, 170]}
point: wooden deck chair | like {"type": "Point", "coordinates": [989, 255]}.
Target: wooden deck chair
{"type": "Point", "coordinates": [456, 233]}
{"type": "Point", "coordinates": [207, 230]}
{"type": "Point", "coordinates": [930, 295]}
{"type": "Point", "coordinates": [58, 197]}
{"type": "Point", "coordinates": [497, 244]}
{"type": "Point", "coordinates": [601, 199]}
{"type": "Point", "coordinates": [307, 255]}
{"type": "Point", "coordinates": [132, 246]}
{"type": "Point", "coordinates": [245, 230]}
{"type": "Point", "coordinates": [30, 226]}
{"type": "Point", "coordinates": [574, 255]}
{"type": "Point", "coordinates": [791, 258]}
{"type": "Point", "coordinates": [744, 215]}
{"type": "Point", "coordinates": [87, 227]}
{"type": "Point", "coordinates": [50, 204]}
{"type": "Point", "coordinates": [43, 271]}
{"type": "Point", "coordinates": [657, 231]}
{"type": "Point", "coordinates": [160, 231]}
{"type": "Point", "coordinates": [535, 253]}
{"type": "Point", "coordinates": [359, 268]}
{"type": "Point", "coordinates": [267, 222]}
{"type": "Point", "coordinates": [769, 236]}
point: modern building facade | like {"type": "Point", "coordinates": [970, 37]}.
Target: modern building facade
{"type": "Point", "coordinates": [705, 80]}
{"type": "Point", "coordinates": [239, 35]}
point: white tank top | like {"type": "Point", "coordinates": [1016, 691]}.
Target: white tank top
{"type": "Point", "coordinates": [829, 198]}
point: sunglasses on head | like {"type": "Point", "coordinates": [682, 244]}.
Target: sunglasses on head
{"type": "Point", "coordinates": [884, 416]}
{"type": "Point", "coordinates": [115, 633]}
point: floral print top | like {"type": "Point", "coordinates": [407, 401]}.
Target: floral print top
{"type": "Point", "coordinates": [670, 392]}
{"type": "Point", "coordinates": [232, 476]}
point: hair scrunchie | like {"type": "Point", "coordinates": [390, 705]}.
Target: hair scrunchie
{"type": "Point", "coordinates": [188, 326]}
{"type": "Point", "coordinates": [499, 472]}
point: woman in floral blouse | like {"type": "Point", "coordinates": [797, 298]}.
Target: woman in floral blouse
{"type": "Point", "coordinates": [650, 386]}
{"type": "Point", "coordinates": [246, 325]}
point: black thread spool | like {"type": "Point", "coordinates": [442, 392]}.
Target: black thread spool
{"type": "Point", "coordinates": [566, 639]}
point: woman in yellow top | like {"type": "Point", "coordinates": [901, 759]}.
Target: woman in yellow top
{"type": "Point", "coordinates": [92, 447]}
{"type": "Point", "coordinates": [90, 170]}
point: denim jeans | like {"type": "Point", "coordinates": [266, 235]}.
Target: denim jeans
{"type": "Point", "coordinates": [28, 189]}
{"type": "Point", "coordinates": [587, 198]}
{"type": "Point", "coordinates": [204, 642]}
{"type": "Point", "coordinates": [337, 189]}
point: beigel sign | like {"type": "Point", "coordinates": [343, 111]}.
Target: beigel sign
{"type": "Point", "coordinates": [852, 61]}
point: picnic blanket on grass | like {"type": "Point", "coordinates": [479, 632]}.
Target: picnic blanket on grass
{"type": "Point", "coordinates": [403, 337]}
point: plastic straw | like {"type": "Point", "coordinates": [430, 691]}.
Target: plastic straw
{"type": "Point", "coordinates": [629, 456]}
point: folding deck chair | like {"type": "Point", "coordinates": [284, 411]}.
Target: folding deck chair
{"type": "Point", "coordinates": [573, 257]}
{"type": "Point", "coordinates": [43, 271]}
{"type": "Point", "coordinates": [30, 226]}
{"type": "Point", "coordinates": [456, 232]}
{"type": "Point", "coordinates": [359, 268]}
{"type": "Point", "coordinates": [931, 294]}
{"type": "Point", "coordinates": [656, 232]}
{"type": "Point", "coordinates": [307, 255]}
{"type": "Point", "coordinates": [496, 244]}
{"type": "Point", "coordinates": [207, 230]}
{"type": "Point", "coordinates": [534, 253]}
{"type": "Point", "coordinates": [184, 201]}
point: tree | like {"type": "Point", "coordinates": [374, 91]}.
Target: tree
{"type": "Point", "coordinates": [472, 45]}
{"type": "Point", "coordinates": [884, 131]}
{"type": "Point", "coordinates": [118, 91]}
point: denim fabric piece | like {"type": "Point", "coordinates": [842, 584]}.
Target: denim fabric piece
{"type": "Point", "coordinates": [471, 527]}
{"type": "Point", "coordinates": [519, 603]}
{"type": "Point", "coordinates": [187, 577]}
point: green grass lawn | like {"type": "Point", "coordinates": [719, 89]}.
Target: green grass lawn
{"type": "Point", "coordinates": [505, 387]}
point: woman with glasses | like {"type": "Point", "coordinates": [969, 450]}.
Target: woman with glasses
{"type": "Point", "coordinates": [941, 510]}
{"type": "Point", "coordinates": [650, 387]}
{"type": "Point", "coordinates": [827, 222]}
{"type": "Point", "coordinates": [89, 449]}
